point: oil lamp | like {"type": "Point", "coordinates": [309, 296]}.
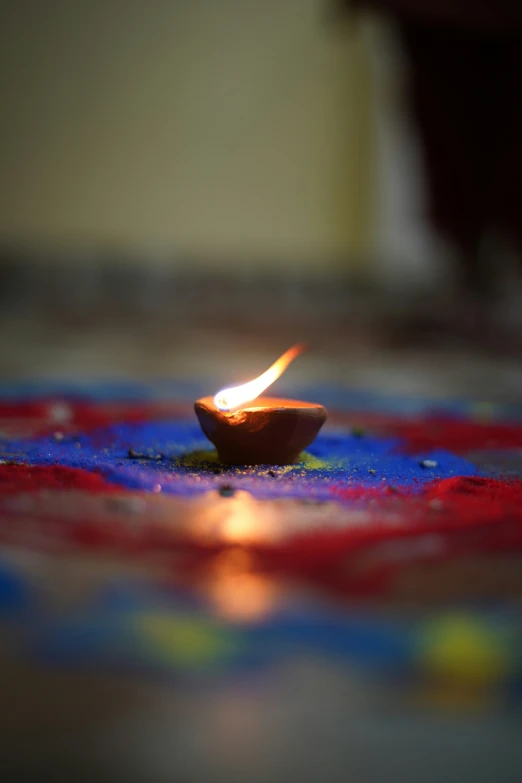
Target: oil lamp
{"type": "Point", "coordinates": [248, 429]}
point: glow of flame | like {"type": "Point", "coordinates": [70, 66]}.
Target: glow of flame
{"type": "Point", "coordinates": [238, 396]}
{"type": "Point", "coordinates": [236, 590]}
{"type": "Point", "coordinates": [242, 520]}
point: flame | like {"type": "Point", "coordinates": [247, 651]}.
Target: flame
{"type": "Point", "coordinates": [237, 396]}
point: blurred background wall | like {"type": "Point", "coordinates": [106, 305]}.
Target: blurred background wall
{"type": "Point", "coordinates": [225, 132]}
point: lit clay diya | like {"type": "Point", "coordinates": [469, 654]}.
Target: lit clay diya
{"type": "Point", "coordinates": [250, 430]}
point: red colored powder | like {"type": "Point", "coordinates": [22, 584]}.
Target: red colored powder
{"type": "Point", "coordinates": [458, 436]}
{"type": "Point", "coordinates": [15, 479]}
{"type": "Point", "coordinates": [438, 432]}
{"type": "Point", "coordinates": [450, 520]}
{"type": "Point", "coordinates": [457, 501]}
{"type": "Point", "coordinates": [43, 417]}
{"type": "Point", "coordinates": [479, 489]}
{"type": "Point", "coordinates": [457, 517]}
{"type": "Point", "coordinates": [447, 519]}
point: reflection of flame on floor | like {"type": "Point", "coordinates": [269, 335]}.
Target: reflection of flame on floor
{"type": "Point", "coordinates": [242, 524]}
{"type": "Point", "coordinates": [235, 591]}
{"type": "Point", "coordinates": [238, 520]}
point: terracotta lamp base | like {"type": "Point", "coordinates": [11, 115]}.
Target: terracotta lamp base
{"type": "Point", "coordinates": [270, 431]}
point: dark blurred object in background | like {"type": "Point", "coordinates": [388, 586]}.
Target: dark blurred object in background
{"type": "Point", "coordinates": [465, 84]}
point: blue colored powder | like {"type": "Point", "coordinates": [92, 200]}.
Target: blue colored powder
{"type": "Point", "coordinates": [188, 468]}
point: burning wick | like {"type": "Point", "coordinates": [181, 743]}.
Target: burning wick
{"type": "Point", "coordinates": [273, 431]}
{"type": "Point", "coordinates": [238, 396]}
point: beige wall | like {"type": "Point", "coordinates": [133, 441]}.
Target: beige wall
{"type": "Point", "coordinates": [210, 126]}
